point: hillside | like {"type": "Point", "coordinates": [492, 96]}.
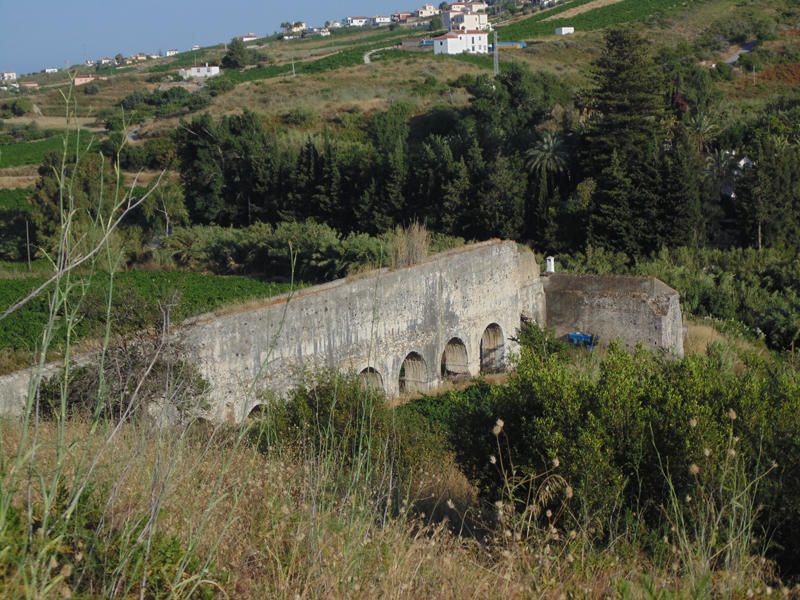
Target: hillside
{"type": "Point", "coordinates": [659, 140]}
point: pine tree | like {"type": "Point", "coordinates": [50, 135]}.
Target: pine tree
{"type": "Point", "coordinates": [623, 144]}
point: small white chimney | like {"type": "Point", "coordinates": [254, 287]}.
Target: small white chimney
{"type": "Point", "coordinates": [550, 265]}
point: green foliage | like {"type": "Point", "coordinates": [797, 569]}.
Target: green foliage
{"type": "Point", "coordinates": [97, 559]}
{"type": "Point", "coordinates": [14, 212]}
{"type": "Point", "coordinates": [353, 429]}
{"type": "Point", "coordinates": [626, 11]}
{"type": "Point", "coordinates": [15, 200]}
{"type": "Point", "coordinates": [29, 153]}
{"type": "Point", "coordinates": [614, 428]}
{"type": "Point", "coordinates": [759, 289]}
{"type": "Point", "coordinates": [237, 56]}
{"type": "Point", "coordinates": [165, 103]}
{"type": "Point", "coordinates": [17, 107]}
{"type": "Point", "coordinates": [119, 387]}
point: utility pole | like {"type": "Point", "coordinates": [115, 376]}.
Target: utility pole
{"type": "Point", "coordinates": [496, 55]}
{"type": "Point", "coordinates": [28, 243]}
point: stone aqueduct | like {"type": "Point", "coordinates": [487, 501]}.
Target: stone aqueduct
{"type": "Point", "coordinates": [408, 330]}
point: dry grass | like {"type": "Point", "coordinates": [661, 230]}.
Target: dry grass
{"type": "Point", "coordinates": [19, 177]}
{"type": "Point", "coordinates": [53, 122]}
{"type": "Point", "coordinates": [362, 88]}
{"type": "Point", "coordinates": [274, 536]}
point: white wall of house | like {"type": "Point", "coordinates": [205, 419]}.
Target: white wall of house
{"type": "Point", "coordinates": [429, 10]}
{"type": "Point", "coordinates": [357, 21]}
{"type": "Point", "coordinates": [8, 76]}
{"type": "Point", "coordinates": [470, 21]}
{"type": "Point", "coordinates": [462, 42]}
{"type": "Point", "coordinates": [199, 72]}
{"type": "Point", "coordinates": [381, 21]}
{"type": "Point", "coordinates": [565, 30]}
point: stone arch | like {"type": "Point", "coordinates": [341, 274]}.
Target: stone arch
{"type": "Point", "coordinates": [256, 412]}
{"type": "Point", "coordinates": [413, 374]}
{"type": "Point", "coordinates": [492, 349]}
{"type": "Point", "coordinates": [372, 379]}
{"type": "Point", "coordinates": [454, 359]}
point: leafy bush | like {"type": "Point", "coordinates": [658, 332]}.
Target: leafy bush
{"type": "Point", "coordinates": [306, 250]}
{"type": "Point", "coordinates": [615, 431]}
{"type": "Point", "coordinates": [134, 374]}
{"type": "Point", "coordinates": [351, 426]}
{"type": "Point", "coordinates": [165, 103]}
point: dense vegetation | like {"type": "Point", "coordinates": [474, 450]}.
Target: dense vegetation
{"type": "Point", "coordinates": [631, 431]}
{"type": "Point", "coordinates": [582, 474]}
{"type": "Point", "coordinates": [29, 153]}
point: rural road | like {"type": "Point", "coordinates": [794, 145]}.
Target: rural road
{"type": "Point", "coordinates": [368, 55]}
{"type": "Point", "coordinates": [733, 58]}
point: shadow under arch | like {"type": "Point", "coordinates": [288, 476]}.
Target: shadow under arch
{"type": "Point", "coordinates": [492, 349]}
{"type": "Point", "coordinates": [413, 374]}
{"type": "Point", "coordinates": [454, 360]}
{"type": "Point", "coordinates": [371, 379]}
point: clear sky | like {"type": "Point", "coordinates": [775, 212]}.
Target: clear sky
{"type": "Point", "coordinates": [35, 34]}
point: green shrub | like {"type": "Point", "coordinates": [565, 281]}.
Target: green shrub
{"type": "Point", "coordinates": [351, 426]}
{"type": "Point", "coordinates": [617, 430]}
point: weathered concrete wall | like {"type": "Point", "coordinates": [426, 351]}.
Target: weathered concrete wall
{"type": "Point", "coordinates": [372, 322]}
{"type": "Point", "coordinates": [636, 310]}
{"type": "Point", "coordinates": [464, 304]}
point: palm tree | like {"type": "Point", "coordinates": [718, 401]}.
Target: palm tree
{"type": "Point", "coordinates": [704, 129]}
{"type": "Point", "coordinates": [547, 160]}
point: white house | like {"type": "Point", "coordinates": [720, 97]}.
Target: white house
{"type": "Point", "coordinates": [469, 7]}
{"type": "Point", "coordinates": [199, 72]}
{"type": "Point", "coordinates": [51, 70]}
{"type": "Point", "coordinates": [195, 46]}
{"type": "Point", "coordinates": [428, 10]}
{"type": "Point", "coordinates": [380, 21]}
{"type": "Point", "coordinates": [173, 52]}
{"type": "Point", "coordinates": [357, 21]}
{"type": "Point", "coordinates": [334, 24]}
{"type": "Point", "coordinates": [296, 27]}
{"type": "Point", "coordinates": [462, 42]}
{"type": "Point", "coordinates": [8, 76]}
{"type": "Point", "coordinates": [469, 21]}
{"type": "Point", "coordinates": [105, 61]}
{"type": "Point", "coordinates": [565, 30]}
{"type": "Point", "coordinates": [248, 37]}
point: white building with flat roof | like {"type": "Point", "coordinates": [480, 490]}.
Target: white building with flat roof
{"type": "Point", "coordinates": [468, 21]}
{"type": "Point", "coordinates": [8, 76]}
{"type": "Point", "coordinates": [565, 30]}
{"type": "Point", "coordinates": [428, 10]}
{"type": "Point", "coordinates": [462, 42]}
{"type": "Point", "coordinates": [357, 21]}
{"type": "Point", "coordinates": [199, 72]}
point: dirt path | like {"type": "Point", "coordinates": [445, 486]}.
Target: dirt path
{"type": "Point", "coordinates": [54, 122]}
{"type": "Point", "coordinates": [578, 10]}
{"type": "Point", "coordinates": [368, 55]}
